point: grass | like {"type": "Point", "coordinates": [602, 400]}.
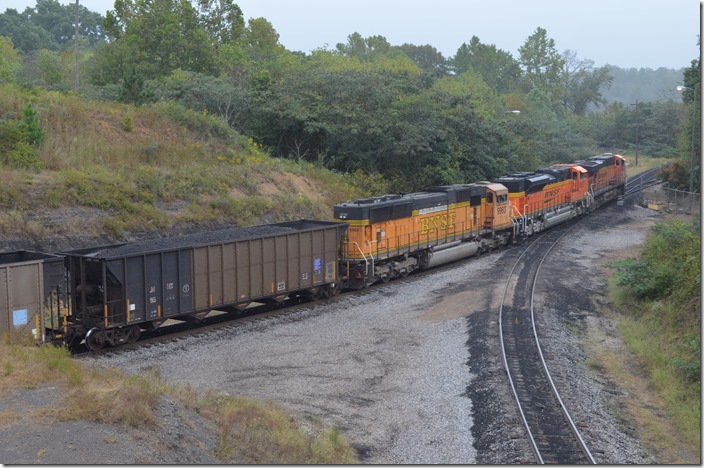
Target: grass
{"type": "Point", "coordinates": [254, 432]}
{"type": "Point", "coordinates": [670, 434]}
{"type": "Point", "coordinates": [645, 163]}
{"type": "Point", "coordinates": [662, 334]}
{"type": "Point", "coordinates": [151, 168]}
{"type": "Point", "coordinates": [248, 431]}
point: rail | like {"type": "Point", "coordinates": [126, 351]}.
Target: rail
{"type": "Point", "coordinates": [529, 421]}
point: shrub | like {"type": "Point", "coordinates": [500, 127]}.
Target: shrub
{"type": "Point", "coordinates": [35, 133]}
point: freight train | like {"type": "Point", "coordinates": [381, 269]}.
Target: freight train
{"type": "Point", "coordinates": [108, 295]}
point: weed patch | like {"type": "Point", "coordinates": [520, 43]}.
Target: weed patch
{"type": "Point", "coordinates": [659, 295]}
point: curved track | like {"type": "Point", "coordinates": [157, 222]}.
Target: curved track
{"type": "Point", "coordinates": [552, 433]}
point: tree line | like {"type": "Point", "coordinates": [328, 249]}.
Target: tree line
{"type": "Point", "coordinates": [405, 112]}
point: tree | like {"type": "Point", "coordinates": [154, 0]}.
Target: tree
{"type": "Point", "coordinates": [583, 83]}
{"type": "Point", "coordinates": [370, 49]}
{"type": "Point", "coordinates": [25, 34]}
{"type": "Point", "coordinates": [427, 57]}
{"type": "Point", "coordinates": [542, 64]}
{"type": "Point", "coordinates": [262, 40]}
{"type": "Point", "coordinates": [498, 68]}
{"type": "Point", "coordinates": [9, 60]}
{"type": "Point", "coordinates": [690, 130]}
{"type": "Point", "coordinates": [157, 37]}
{"type": "Point", "coordinates": [59, 21]}
{"type": "Point", "coordinates": [222, 20]}
{"type": "Point", "coordinates": [225, 97]}
{"type": "Point", "coordinates": [50, 25]}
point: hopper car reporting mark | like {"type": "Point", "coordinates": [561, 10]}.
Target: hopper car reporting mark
{"type": "Point", "coordinates": [108, 295]}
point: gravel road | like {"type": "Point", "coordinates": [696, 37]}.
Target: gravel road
{"type": "Point", "coordinates": [411, 371]}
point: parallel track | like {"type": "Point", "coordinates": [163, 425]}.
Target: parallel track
{"type": "Point", "coordinates": [638, 183]}
{"type": "Point", "coordinates": [552, 433]}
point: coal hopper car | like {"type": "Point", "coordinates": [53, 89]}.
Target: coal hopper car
{"type": "Point", "coordinates": [120, 290]}
{"type": "Point", "coordinates": [28, 280]}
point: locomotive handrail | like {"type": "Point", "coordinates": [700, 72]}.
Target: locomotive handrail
{"type": "Point", "coordinates": [366, 262]}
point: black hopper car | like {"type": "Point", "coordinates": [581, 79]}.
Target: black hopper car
{"type": "Point", "coordinates": [107, 295]}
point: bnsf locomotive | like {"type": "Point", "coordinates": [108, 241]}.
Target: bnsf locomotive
{"type": "Point", "coordinates": [108, 295]}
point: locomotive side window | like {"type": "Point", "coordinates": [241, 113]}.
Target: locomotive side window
{"type": "Point", "coordinates": [501, 198]}
{"type": "Point", "coordinates": [490, 197]}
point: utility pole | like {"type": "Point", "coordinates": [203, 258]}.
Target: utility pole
{"type": "Point", "coordinates": [75, 64]}
{"type": "Point", "coordinates": [637, 129]}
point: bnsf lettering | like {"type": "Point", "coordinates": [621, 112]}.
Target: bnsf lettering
{"type": "Point", "coordinates": [441, 222]}
{"type": "Point", "coordinates": [551, 193]}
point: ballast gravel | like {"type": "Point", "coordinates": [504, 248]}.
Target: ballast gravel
{"type": "Point", "coordinates": [374, 364]}
{"type": "Point", "coordinates": [411, 371]}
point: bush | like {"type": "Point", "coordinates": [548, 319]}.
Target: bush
{"type": "Point", "coordinates": [669, 266]}
{"type": "Point", "coordinates": [24, 156]}
{"type": "Point", "coordinates": [19, 140]}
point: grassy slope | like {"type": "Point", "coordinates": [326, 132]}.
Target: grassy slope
{"type": "Point", "coordinates": [247, 431]}
{"type": "Point", "coordinates": [112, 170]}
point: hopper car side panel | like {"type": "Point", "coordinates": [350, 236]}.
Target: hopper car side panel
{"type": "Point", "coordinates": [120, 289]}
{"type": "Point", "coordinates": [27, 281]}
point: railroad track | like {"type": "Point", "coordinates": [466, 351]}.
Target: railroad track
{"type": "Point", "coordinates": [641, 181]}
{"type": "Point", "coordinates": [220, 320]}
{"type": "Point", "coordinates": [551, 431]}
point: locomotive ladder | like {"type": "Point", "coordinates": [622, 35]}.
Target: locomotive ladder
{"type": "Point", "coordinates": [552, 433]}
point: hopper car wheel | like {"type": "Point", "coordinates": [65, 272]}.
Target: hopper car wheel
{"type": "Point", "coordinates": [133, 335]}
{"type": "Point", "coordinates": [404, 273]}
{"type": "Point", "coordinates": [95, 339]}
{"type": "Point", "coordinates": [329, 290]}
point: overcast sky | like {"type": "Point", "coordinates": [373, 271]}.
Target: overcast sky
{"type": "Point", "coordinates": [626, 33]}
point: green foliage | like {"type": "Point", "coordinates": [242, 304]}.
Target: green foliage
{"type": "Point", "coordinates": [19, 140]}
{"type": "Point", "coordinates": [498, 68]}
{"type": "Point", "coordinates": [660, 294]}
{"type": "Point", "coordinates": [35, 132]}
{"type": "Point", "coordinates": [668, 277]}
{"type": "Point", "coordinates": [542, 64]}
{"type": "Point", "coordinates": [133, 91]}
{"type": "Point", "coordinates": [428, 58]}
{"type": "Point", "coordinates": [646, 281]}
{"type": "Point", "coordinates": [127, 123]}
{"type": "Point", "coordinates": [669, 267]}
{"type": "Point", "coordinates": [583, 83]}
{"type": "Point", "coordinates": [9, 60]}
{"type": "Point", "coordinates": [152, 38]}
{"type": "Point", "coordinates": [199, 122]}
{"type": "Point", "coordinates": [50, 25]}
{"type": "Point", "coordinates": [50, 70]}
{"type": "Point", "coordinates": [23, 156]}
{"type": "Point", "coordinates": [691, 369]}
